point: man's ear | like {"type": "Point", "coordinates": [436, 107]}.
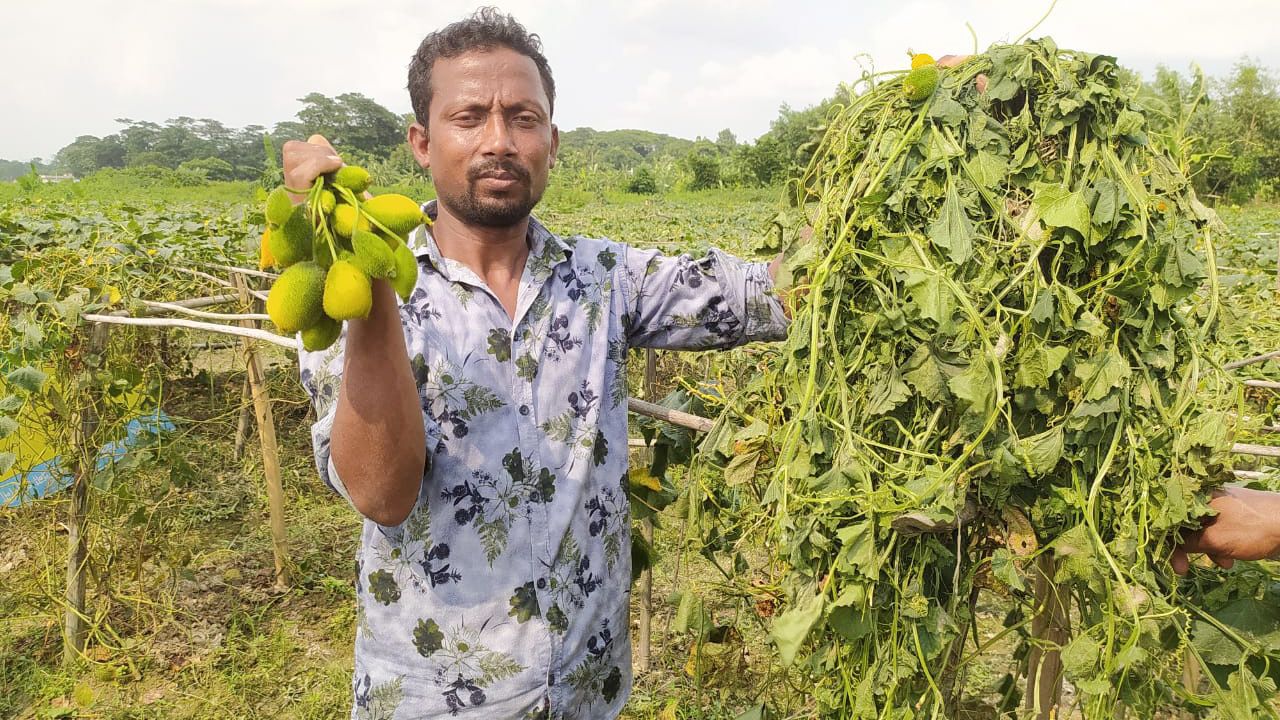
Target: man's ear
{"type": "Point", "coordinates": [555, 144]}
{"type": "Point", "coordinates": [419, 143]}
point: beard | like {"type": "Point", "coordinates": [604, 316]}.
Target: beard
{"type": "Point", "coordinates": [503, 210]}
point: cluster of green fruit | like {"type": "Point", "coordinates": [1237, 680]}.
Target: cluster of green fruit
{"type": "Point", "coordinates": [331, 247]}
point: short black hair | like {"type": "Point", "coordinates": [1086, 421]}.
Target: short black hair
{"type": "Point", "coordinates": [486, 29]}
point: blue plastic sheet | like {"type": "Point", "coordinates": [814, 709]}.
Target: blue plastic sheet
{"type": "Point", "coordinates": [52, 476]}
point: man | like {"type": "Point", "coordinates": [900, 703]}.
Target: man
{"type": "Point", "coordinates": [481, 427]}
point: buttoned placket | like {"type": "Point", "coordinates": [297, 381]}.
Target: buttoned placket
{"type": "Point", "coordinates": [529, 436]}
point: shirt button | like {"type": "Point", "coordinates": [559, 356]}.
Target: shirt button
{"type": "Point", "coordinates": [524, 409]}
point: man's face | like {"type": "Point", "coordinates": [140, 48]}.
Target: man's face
{"type": "Point", "coordinates": [490, 142]}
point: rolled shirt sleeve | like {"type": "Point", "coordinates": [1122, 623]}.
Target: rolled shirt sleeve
{"type": "Point", "coordinates": [688, 303]}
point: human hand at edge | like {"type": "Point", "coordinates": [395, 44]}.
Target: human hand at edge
{"type": "Point", "coordinates": [1247, 527]}
{"type": "Point", "coordinates": [950, 61]}
{"type": "Point", "coordinates": [303, 162]}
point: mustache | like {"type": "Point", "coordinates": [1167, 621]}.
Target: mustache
{"type": "Point", "coordinates": [498, 166]}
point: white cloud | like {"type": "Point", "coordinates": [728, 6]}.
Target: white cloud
{"type": "Point", "coordinates": [686, 67]}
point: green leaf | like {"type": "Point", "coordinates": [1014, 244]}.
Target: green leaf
{"type": "Point", "coordinates": [8, 426]}
{"type": "Point", "coordinates": [1255, 621]}
{"type": "Point", "coordinates": [1102, 373]}
{"type": "Point", "coordinates": [976, 385]}
{"type": "Point", "coordinates": [887, 390]}
{"type": "Point", "coordinates": [932, 296]}
{"type": "Point", "coordinates": [1080, 656]}
{"type": "Point", "coordinates": [923, 373]}
{"type": "Point", "coordinates": [792, 627]}
{"type": "Point", "coordinates": [1006, 570]}
{"type": "Point", "coordinates": [1041, 453]}
{"type": "Point", "coordinates": [1060, 207]}
{"type": "Point", "coordinates": [27, 378]}
{"type": "Point", "coordinates": [7, 459]}
{"type": "Point", "coordinates": [953, 230]}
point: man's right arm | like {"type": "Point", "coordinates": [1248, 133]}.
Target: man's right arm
{"type": "Point", "coordinates": [377, 443]}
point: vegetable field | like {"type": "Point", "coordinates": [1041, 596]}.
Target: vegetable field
{"type": "Point", "coordinates": [952, 492]}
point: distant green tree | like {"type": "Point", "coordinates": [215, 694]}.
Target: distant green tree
{"type": "Point", "coordinates": [149, 158]}
{"type": "Point", "coordinates": [726, 142]}
{"type": "Point", "coordinates": [349, 121]}
{"type": "Point", "coordinates": [642, 182]}
{"type": "Point", "coordinates": [703, 165]}
{"type": "Point", "coordinates": [211, 167]}
{"type": "Point", "coordinates": [88, 154]}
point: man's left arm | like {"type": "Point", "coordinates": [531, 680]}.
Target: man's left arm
{"type": "Point", "coordinates": [699, 303]}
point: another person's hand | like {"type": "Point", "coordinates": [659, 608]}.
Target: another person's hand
{"type": "Point", "coordinates": [948, 61]}
{"type": "Point", "coordinates": [1247, 527]}
{"type": "Point", "coordinates": [305, 161]}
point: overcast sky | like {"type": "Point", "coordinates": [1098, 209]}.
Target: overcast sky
{"type": "Point", "coordinates": [683, 67]}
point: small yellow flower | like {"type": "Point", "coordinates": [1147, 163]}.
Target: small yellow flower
{"type": "Point", "coordinates": [151, 251]}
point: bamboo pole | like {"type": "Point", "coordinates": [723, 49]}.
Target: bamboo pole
{"type": "Point", "coordinates": [1251, 360]}
{"type": "Point", "coordinates": [1049, 629]}
{"type": "Point", "coordinates": [675, 417]}
{"type": "Point", "coordinates": [184, 310]}
{"type": "Point", "coordinates": [248, 332]}
{"type": "Point", "coordinates": [270, 451]}
{"type": "Point", "coordinates": [645, 621]}
{"type": "Point", "coordinates": [74, 629]}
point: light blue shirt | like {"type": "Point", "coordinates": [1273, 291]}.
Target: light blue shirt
{"type": "Point", "coordinates": [505, 592]}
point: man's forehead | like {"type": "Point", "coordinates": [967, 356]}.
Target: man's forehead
{"type": "Point", "coordinates": [482, 71]}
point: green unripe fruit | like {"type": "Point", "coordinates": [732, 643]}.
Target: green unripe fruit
{"type": "Point", "coordinates": [322, 334]}
{"type": "Point", "coordinates": [398, 213]}
{"type": "Point", "coordinates": [355, 179]}
{"type": "Point", "coordinates": [372, 254]}
{"type": "Point", "coordinates": [291, 242]}
{"type": "Point", "coordinates": [323, 256]}
{"type": "Point", "coordinates": [295, 301]}
{"type": "Point", "coordinates": [348, 293]}
{"type": "Point", "coordinates": [406, 272]}
{"type": "Point", "coordinates": [920, 83]}
{"type": "Point", "coordinates": [279, 206]}
{"type": "Point", "coordinates": [327, 201]}
{"type": "Point", "coordinates": [344, 221]}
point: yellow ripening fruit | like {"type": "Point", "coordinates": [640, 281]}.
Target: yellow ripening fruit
{"type": "Point", "coordinates": [264, 251]}
{"type": "Point", "coordinates": [278, 206]}
{"type": "Point", "coordinates": [920, 60]}
{"type": "Point", "coordinates": [920, 83]}
{"type": "Point", "coordinates": [322, 334]}
{"type": "Point", "coordinates": [372, 254]}
{"type": "Point", "coordinates": [355, 179]}
{"type": "Point", "coordinates": [398, 213]}
{"type": "Point", "coordinates": [327, 201]}
{"type": "Point", "coordinates": [291, 242]}
{"type": "Point", "coordinates": [344, 221]}
{"type": "Point", "coordinates": [295, 301]}
{"type": "Point", "coordinates": [406, 271]}
{"type": "Point", "coordinates": [348, 292]}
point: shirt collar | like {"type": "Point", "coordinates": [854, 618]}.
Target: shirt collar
{"type": "Point", "coordinates": [546, 249]}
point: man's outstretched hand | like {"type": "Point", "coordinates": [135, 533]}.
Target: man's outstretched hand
{"type": "Point", "coordinates": [303, 162]}
{"type": "Point", "coordinates": [1247, 527]}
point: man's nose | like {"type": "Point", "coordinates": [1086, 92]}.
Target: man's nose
{"type": "Point", "coordinates": [497, 136]}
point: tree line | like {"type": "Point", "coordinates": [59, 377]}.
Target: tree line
{"type": "Point", "coordinates": [1232, 126]}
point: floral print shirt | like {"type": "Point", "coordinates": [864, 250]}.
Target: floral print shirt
{"type": "Point", "coordinates": [505, 592]}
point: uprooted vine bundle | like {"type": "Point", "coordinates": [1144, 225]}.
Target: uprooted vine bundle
{"type": "Point", "coordinates": [994, 375]}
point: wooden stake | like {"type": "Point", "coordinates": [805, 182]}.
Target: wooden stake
{"type": "Point", "coordinates": [645, 620]}
{"type": "Point", "coordinates": [270, 451]}
{"type": "Point", "coordinates": [242, 425]}
{"type": "Point", "coordinates": [86, 454]}
{"type": "Point", "coordinates": [1049, 630]}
